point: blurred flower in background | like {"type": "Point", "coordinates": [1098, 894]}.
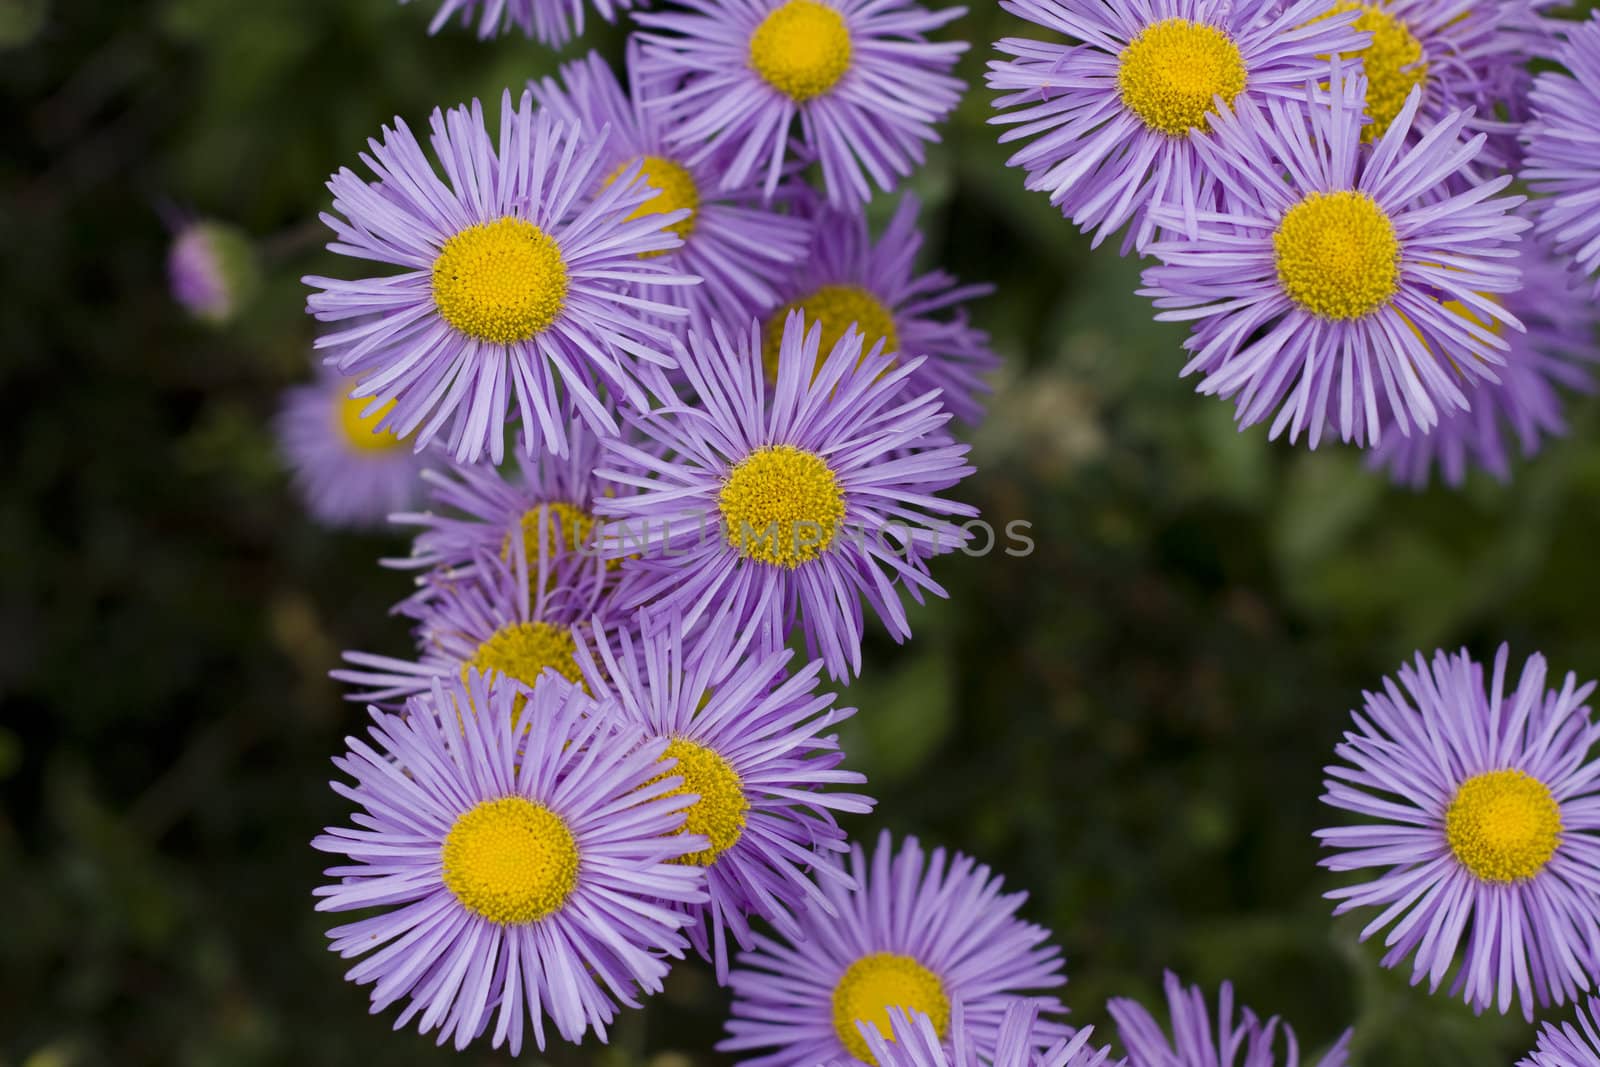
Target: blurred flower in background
{"type": "Point", "coordinates": [212, 270]}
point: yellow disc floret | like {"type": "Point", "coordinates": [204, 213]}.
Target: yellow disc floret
{"type": "Point", "coordinates": [565, 527]}
{"type": "Point", "coordinates": [510, 860]}
{"type": "Point", "coordinates": [1171, 73]}
{"type": "Point", "coordinates": [1392, 63]}
{"type": "Point", "coordinates": [675, 190]}
{"type": "Point", "coordinates": [875, 983]}
{"type": "Point", "coordinates": [782, 505]}
{"type": "Point", "coordinates": [1337, 255]}
{"type": "Point", "coordinates": [1503, 825]}
{"type": "Point", "coordinates": [837, 307]}
{"type": "Point", "coordinates": [361, 430]}
{"type": "Point", "coordinates": [501, 281]}
{"type": "Point", "coordinates": [522, 650]}
{"type": "Point", "coordinates": [719, 814]}
{"type": "Point", "coordinates": [801, 49]}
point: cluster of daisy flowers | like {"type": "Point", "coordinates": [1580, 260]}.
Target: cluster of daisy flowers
{"type": "Point", "coordinates": [1321, 190]}
{"type": "Point", "coordinates": [671, 424]}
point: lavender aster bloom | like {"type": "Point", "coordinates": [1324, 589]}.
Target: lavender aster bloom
{"type": "Point", "coordinates": [862, 77]}
{"type": "Point", "coordinates": [739, 245]}
{"type": "Point", "coordinates": [519, 280]}
{"type": "Point", "coordinates": [1115, 113]}
{"type": "Point", "coordinates": [523, 870]}
{"type": "Point", "coordinates": [1324, 296]}
{"type": "Point", "coordinates": [751, 746]}
{"type": "Point", "coordinates": [211, 270]}
{"type": "Point", "coordinates": [1194, 1042]}
{"type": "Point", "coordinates": [1486, 807]}
{"type": "Point", "coordinates": [1563, 150]}
{"type": "Point", "coordinates": [514, 618]}
{"type": "Point", "coordinates": [476, 510]}
{"type": "Point", "coordinates": [1555, 351]}
{"type": "Point", "coordinates": [915, 1042]}
{"type": "Point", "coordinates": [916, 934]}
{"type": "Point", "coordinates": [764, 510]}
{"type": "Point", "coordinates": [1456, 54]}
{"type": "Point", "coordinates": [551, 22]}
{"type": "Point", "coordinates": [1565, 1045]}
{"type": "Point", "coordinates": [348, 468]}
{"type": "Point", "coordinates": [848, 279]}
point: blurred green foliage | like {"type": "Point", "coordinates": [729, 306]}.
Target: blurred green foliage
{"type": "Point", "coordinates": [1130, 722]}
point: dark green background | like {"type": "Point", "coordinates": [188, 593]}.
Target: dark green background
{"type": "Point", "coordinates": [1130, 723]}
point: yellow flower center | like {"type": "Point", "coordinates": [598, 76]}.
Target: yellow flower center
{"type": "Point", "coordinates": [719, 814]}
{"type": "Point", "coordinates": [837, 307]}
{"type": "Point", "coordinates": [875, 983]}
{"type": "Point", "coordinates": [501, 281]}
{"type": "Point", "coordinates": [801, 49]}
{"type": "Point", "coordinates": [1337, 255]}
{"type": "Point", "coordinates": [522, 650]}
{"type": "Point", "coordinates": [1392, 63]}
{"type": "Point", "coordinates": [782, 505]}
{"type": "Point", "coordinates": [511, 861]}
{"type": "Point", "coordinates": [565, 527]}
{"type": "Point", "coordinates": [1503, 825]}
{"type": "Point", "coordinates": [1171, 73]}
{"type": "Point", "coordinates": [675, 189]}
{"type": "Point", "coordinates": [361, 430]}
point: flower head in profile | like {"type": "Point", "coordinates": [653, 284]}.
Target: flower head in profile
{"type": "Point", "coordinates": [1568, 1045]}
{"type": "Point", "coordinates": [518, 289]}
{"type": "Point", "coordinates": [1482, 818]}
{"type": "Point", "coordinates": [861, 76]}
{"type": "Point", "coordinates": [922, 933]}
{"type": "Point", "coordinates": [347, 467]}
{"type": "Point", "coordinates": [1563, 154]}
{"type": "Point", "coordinates": [849, 279]}
{"type": "Point", "coordinates": [734, 240]}
{"type": "Point", "coordinates": [913, 1041]}
{"type": "Point", "coordinates": [1554, 353]}
{"type": "Point", "coordinates": [551, 22]}
{"type": "Point", "coordinates": [1114, 113]}
{"type": "Point", "coordinates": [752, 746]}
{"type": "Point", "coordinates": [1322, 292]}
{"type": "Point", "coordinates": [212, 270]}
{"type": "Point", "coordinates": [521, 866]}
{"type": "Point", "coordinates": [515, 618]}
{"type": "Point", "coordinates": [1245, 1042]}
{"type": "Point", "coordinates": [759, 510]}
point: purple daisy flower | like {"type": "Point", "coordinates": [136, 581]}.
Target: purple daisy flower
{"type": "Point", "coordinates": [1194, 1041]}
{"type": "Point", "coordinates": [739, 245]}
{"type": "Point", "coordinates": [514, 618]}
{"type": "Point", "coordinates": [915, 1042]}
{"type": "Point", "coordinates": [915, 934]}
{"type": "Point", "coordinates": [750, 745]}
{"type": "Point", "coordinates": [801, 505]}
{"type": "Point", "coordinates": [520, 279]}
{"type": "Point", "coordinates": [1555, 351]}
{"type": "Point", "coordinates": [848, 279]}
{"type": "Point", "coordinates": [523, 872]}
{"type": "Point", "coordinates": [1565, 1045]}
{"type": "Point", "coordinates": [211, 270]}
{"type": "Point", "coordinates": [1324, 296]}
{"type": "Point", "coordinates": [861, 75]}
{"type": "Point", "coordinates": [1487, 808]}
{"type": "Point", "coordinates": [551, 22]}
{"type": "Point", "coordinates": [349, 470]}
{"type": "Point", "coordinates": [1457, 54]}
{"type": "Point", "coordinates": [476, 509]}
{"type": "Point", "coordinates": [1563, 150]}
{"type": "Point", "coordinates": [1115, 114]}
